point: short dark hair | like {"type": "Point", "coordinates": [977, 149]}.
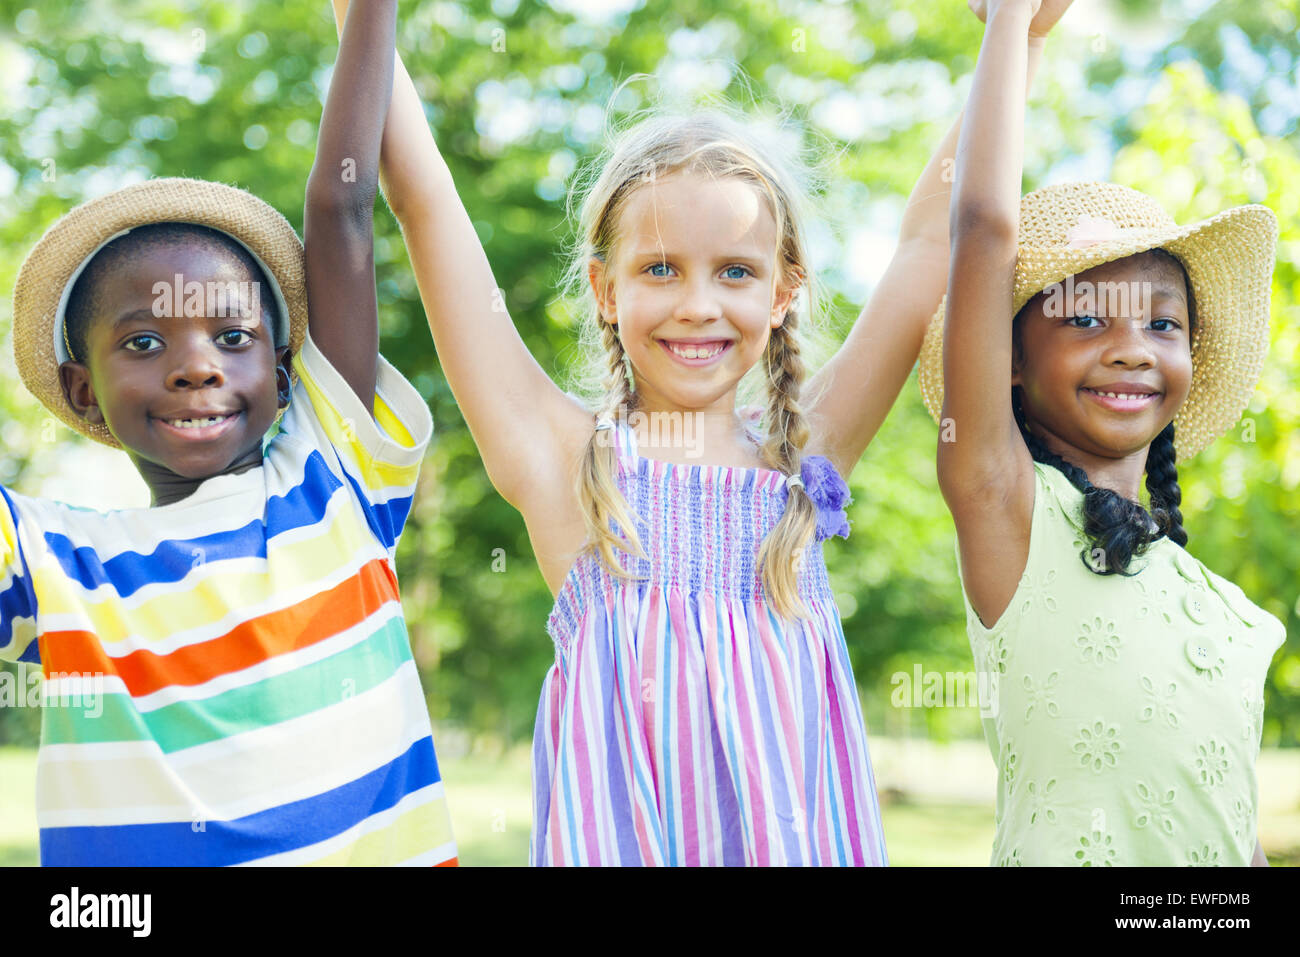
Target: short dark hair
{"type": "Point", "coordinates": [84, 300]}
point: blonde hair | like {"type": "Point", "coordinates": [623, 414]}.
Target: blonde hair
{"type": "Point", "coordinates": [718, 143]}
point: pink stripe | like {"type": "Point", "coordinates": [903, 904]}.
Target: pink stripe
{"type": "Point", "coordinates": [846, 776]}
{"type": "Point", "coordinates": [754, 759]}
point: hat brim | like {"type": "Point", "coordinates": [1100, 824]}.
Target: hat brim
{"type": "Point", "coordinates": [46, 275]}
{"type": "Point", "coordinates": [1229, 261]}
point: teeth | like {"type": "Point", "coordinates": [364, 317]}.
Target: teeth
{"type": "Point", "coordinates": [1123, 395]}
{"type": "Point", "coordinates": [197, 423]}
{"type": "Point", "coordinates": [693, 352]}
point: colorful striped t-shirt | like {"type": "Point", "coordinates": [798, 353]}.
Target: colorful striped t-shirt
{"type": "Point", "coordinates": [228, 679]}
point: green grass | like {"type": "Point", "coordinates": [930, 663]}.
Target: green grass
{"type": "Point", "coordinates": [927, 823]}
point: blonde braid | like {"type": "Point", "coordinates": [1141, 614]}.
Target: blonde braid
{"type": "Point", "coordinates": [781, 555]}
{"type": "Point", "coordinates": [597, 488]}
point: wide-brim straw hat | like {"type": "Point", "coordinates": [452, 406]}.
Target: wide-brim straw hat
{"type": "Point", "coordinates": [1072, 227]}
{"type": "Point", "coordinates": [48, 273]}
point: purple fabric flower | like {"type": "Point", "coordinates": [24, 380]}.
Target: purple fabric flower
{"type": "Point", "coordinates": [829, 493]}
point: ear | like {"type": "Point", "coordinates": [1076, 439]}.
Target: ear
{"type": "Point", "coordinates": [283, 380]}
{"type": "Point", "coordinates": [80, 392]}
{"type": "Point", "coordinates": [783, 299]}
{"type": "Point", "coordinates": [603, 290]}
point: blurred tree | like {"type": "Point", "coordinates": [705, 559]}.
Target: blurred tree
{"type": "Point", "coordinates": [97, 94]}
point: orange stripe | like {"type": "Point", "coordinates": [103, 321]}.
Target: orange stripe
{"type": "Point", "coordinates": [311, 620]}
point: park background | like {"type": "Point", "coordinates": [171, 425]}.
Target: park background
{"type": "Point", "coordinates": [1193, 102]}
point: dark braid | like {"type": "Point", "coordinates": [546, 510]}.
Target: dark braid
{"type": "Point", "coordinates": [1162, 484]}
{"type": "Point", "coordinates": [1119, 527]}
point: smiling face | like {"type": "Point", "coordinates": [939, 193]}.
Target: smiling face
{"type": "Point", "coordinates": [1105, 363]}
{"type": "Point", "coordinates": [187, 396]}
{"type": "Point", "coordinates": [692, 287]}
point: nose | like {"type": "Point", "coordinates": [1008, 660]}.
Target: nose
{"type": "Point", "coordinates": [1127, 344]}
{"type": "Point", "coordinates": [196, 365]}
{"type": "Point", "coordinates": [699, 301]}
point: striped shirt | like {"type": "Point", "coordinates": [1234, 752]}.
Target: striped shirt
{"type": "Point", "coordinates": [228, 679]}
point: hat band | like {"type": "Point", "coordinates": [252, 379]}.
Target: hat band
{"type": "Point", "coordinates": [63, 348]}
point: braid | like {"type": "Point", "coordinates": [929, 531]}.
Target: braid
{"type": "Point", "coordinates": [618, 390]}
{"type": "Point", "coordinates": [598, 492]}
{"type": "Point", "coordinates": [1120, 528]}
{"type": "Point", "coordinates": [787, 428]}
{"type": "Point", "coordinates": [787, 434]}
{"type": "Point", "coordinates": [1162, 484]}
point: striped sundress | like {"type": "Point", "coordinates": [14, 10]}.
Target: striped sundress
{"type": "Point", "coordinates": [684, 721]}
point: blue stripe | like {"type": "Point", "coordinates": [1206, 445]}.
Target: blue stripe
{"type": "Point", "coordinates": [386, 520]}
{"type": "Point", "coordinates": [127, 572]}
{"type": "Point", "coordinates": [274, 831]}
{"type": "Point", "coordinates": [19, 599]}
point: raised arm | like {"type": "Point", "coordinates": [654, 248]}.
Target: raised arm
{"type": "Point", "coordinates": [985, 471]}
{"type": "Point", "coordinates": [338, 223]}
{"type": "Point", "coordinates": [524, 425]}
{"type": "Point", "coordinates": [987, 454]}
{"type": "Point", "coordinates": [852, 394]}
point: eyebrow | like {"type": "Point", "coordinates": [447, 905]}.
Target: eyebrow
{"type": "Point", "coordinates": [750, 256]}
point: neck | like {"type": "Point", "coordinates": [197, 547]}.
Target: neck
{"type": "Point", "coordinates": [1121, 474]}
{"type": "Point", "coordinates": [167, 487]}
{"type": "Point", "coordinates": [710, 434]}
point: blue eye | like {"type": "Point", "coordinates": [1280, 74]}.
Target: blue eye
{"type": "Point", "coordinates": [225, 337]}
{"type": "Point", "coordinates": [744, 271]}
{"type": "Point", "coordinates": [141, 343]}
{"type": "Point", "coordinates": [658, 266]}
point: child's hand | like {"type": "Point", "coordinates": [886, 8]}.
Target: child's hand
{"type": "Point", "coordinates": [982, 8]}
{"type": "Point", "coordinates": [1048, 14]}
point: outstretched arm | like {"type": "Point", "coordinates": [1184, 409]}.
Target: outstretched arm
{"type": "Point", "coordinates": [853, 393]}
{"type": "Point", "coordinates": [338, 224]}
{"type": "Point", "coordinates": [524, 425]}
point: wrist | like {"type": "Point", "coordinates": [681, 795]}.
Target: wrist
{"type": "Point", "coordinates": [1017, 10]}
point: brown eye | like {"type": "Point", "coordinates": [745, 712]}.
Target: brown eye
{"type": "Point", "coordinates": [231, 337]}
{"type": "Point", "coordinates": [142, 343]}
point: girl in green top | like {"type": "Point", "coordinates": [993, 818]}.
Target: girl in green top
{"type": "Point", "coordinates": [1129, 678]}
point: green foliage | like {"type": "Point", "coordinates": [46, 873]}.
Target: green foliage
{"type": "Point", "coordinates": [104, 93]}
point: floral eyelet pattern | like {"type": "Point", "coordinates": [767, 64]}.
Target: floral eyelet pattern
{"type": "Point", "coordinates": [1211, 763]}
{"type": "Point", "coordinates": [1095, 850]}
{"type": "Point", "coordinates": [1099, 641]}
{"type": "Point", "coordinates": [1204, 855]}
{"type": "Point", "coordinates": [1039, 798]}
{"type": "Point", "coordinates": [1157, 808]}
{"type": "Point", "coordinates": [1044, 695]}
{"type": "Point", "coordinates": [1098, 746]}
{"type": "Point", "coordinates": [1160, 702]}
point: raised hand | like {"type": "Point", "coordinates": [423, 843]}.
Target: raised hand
{"type": "Point", "coordinates": [1047, 16]}
{"type": "Point", "coordinates": [981, 9]}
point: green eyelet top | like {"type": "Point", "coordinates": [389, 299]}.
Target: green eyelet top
{"type": "Point", "coordinates": [1126, 712]}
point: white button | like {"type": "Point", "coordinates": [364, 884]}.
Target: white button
{"type": "Point", "coordinates": [1187, 566]}
{"type": "Point", "coordinates": [1202, 652]}
{"type": "Point", "coordinates": [1197, 605]}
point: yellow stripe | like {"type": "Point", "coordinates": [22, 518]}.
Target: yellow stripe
{"type": "Point", "coordinates": [289, 567]}
{"type": "Point", "coordinates": [421, 828]}
{"type": "Point", "coordinates": [343, 436]}
{"type": "Point", "coordinates": [387, 420]}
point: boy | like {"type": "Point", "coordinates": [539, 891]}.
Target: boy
{"type": "Point", "coordinates": [256, 697]}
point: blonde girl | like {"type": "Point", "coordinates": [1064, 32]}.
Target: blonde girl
{"type": "Point", "coordinates": [702, 709]}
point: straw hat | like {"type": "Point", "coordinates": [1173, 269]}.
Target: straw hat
{"type": "Point", "coordinates": [1067, 229]}
{"type": "Point", "coordinates": [47, 275]}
